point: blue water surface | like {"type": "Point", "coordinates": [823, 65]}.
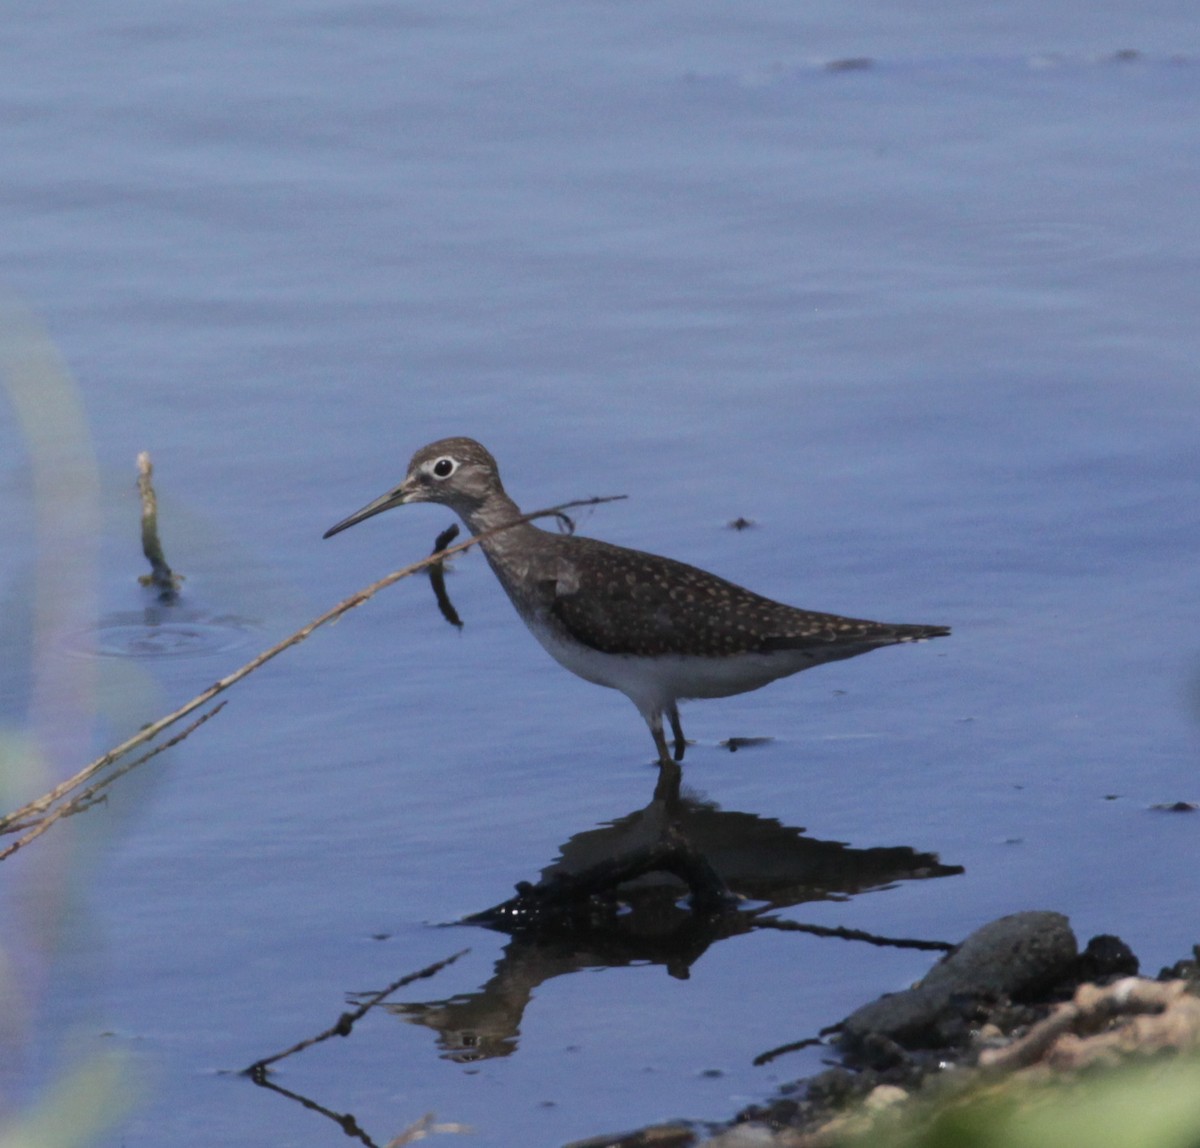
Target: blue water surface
{"type": "Point", "coordinates": [913, 290]}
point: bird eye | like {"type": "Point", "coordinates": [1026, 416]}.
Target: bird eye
{"type": "Point", "coordinates": [444, 467]}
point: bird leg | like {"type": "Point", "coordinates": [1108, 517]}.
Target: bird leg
{"type": "Point", "coordinates": [660, 742]}
{"type": "Point", "coordinates": [677, 730]}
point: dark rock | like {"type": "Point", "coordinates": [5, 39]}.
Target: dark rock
{"type": "Point", "coordinates": [835, 1086]}
{"type": "Point", "coordinates": [1185, 970]}
{"type": "Point", "coordinates": [1013, 957]}
{"type": "Point", "coordinates": [657, 1136]}
{"type": "Point", "coordinates": [1106, 958]}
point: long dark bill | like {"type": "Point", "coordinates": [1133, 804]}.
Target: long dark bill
{"type": "Point", "coordinates": [382, 503]}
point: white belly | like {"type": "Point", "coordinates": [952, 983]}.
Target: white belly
{"type": "Point", "coordinates": [653, 684]}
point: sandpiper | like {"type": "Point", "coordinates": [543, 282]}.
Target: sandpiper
{"type": "Point", "coordinates": [658, 630]}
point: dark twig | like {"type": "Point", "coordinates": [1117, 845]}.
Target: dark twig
{"type": "Point", "coordinates": [774, 1053]}
{"type": "Point", "coordinates": [345, 1022]}
{"type": "Point", "coordinates": [344, 1120]}
{"type": "Point", "coordinates": [845, 934]}
{"type": "Point", "coordinates": [437, 577]}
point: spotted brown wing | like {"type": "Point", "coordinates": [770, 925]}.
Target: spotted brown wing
{"type": "Point", "coordinates": [621, 601]}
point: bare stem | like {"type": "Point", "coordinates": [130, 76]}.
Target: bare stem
{"type": "Point", "coordinates": [161, 576]}
{"type": "Point", "coordinates": [345, 1023]}
{"type": "Point", "coordinates": [83, 800]}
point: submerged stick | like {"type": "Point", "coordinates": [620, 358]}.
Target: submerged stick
{"type": "Point", "coordinates": [161, 576]}
{"type": "Point", "coordinates": [437, 577]}
{"type": "Point", "coordinates": [346, 1121]}
{"type": "Point", "coordinates": [345, 1023]}
{"type": "Point", "coordinates": [151, 731]}
{"type": "Point", "coordinates": [349, 1126]}
{"type": "Point", "coordinates": [846, 934]}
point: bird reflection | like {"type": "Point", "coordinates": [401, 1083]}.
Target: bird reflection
{"type": "Point", "coordinates": [574, 918]}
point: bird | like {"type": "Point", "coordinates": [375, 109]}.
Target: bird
{"type": "Point", "coordinates": [658, 630]}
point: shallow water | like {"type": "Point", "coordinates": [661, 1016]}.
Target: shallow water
{"type": "Point", "coordinates": [929, 323]}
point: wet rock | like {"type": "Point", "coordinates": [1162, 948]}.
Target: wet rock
{"type": "Point", "coordinates": [657, 1136]}
{"type": "Point", "coordinates": [1185, 970]}
{"type": "Point", "coordinates": [1014, 956]}
{"type": "Point", "coordinates": [1106, 958]}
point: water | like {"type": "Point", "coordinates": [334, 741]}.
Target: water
{"type": "Point", "coordinates": [928, 323]}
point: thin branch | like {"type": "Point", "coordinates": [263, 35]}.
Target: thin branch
{"type": "Point", "coordinates": [82, 800]}
{"type": "Point", "coordinates": [346, 1121]}
{"type": "Point", "coordinates": [795, 1046]}
{"type": "Point", "coordinates": [845, 934]}
{"type": "Point", "coordinates": [345, 1023]}
{"type": "Point", "coordinates": [149, 732]}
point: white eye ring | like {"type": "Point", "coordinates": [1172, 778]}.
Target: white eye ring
{"type": "Point", "coordinates": [444, 467]}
